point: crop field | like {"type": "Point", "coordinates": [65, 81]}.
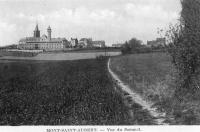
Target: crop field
{"type": "Point", "coordinates": [59, 93]}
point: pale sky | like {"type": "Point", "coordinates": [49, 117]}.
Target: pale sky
{"type": "Point", "coordinates": [109, 20]}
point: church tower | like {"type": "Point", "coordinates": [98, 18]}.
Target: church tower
{"type": "Point", "coordinates": [49, 33]}
{"type": "Point", "coordinates": [36, 32]}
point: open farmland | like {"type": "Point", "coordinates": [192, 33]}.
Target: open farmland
{"type": "Point", "coordinates": [58, 93]}
{"type": "Point", "coordinates": [62, 93]}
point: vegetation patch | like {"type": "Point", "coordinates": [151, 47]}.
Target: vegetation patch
{"type": "Point", "coordinates": [18, 53]}
{"type": "Point", "coordinates": [153, 76]}
{"type": "Point", "coordinates": [59, 93]}
{"type": "Point", "coordinates": [149, 73]}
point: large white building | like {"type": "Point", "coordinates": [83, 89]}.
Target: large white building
{"type": "Point", "coordinates": [46, 43]}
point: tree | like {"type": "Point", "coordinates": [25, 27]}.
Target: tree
{"type": "Point", "coordinates": [184, 47]}
{"type": "Point", "coordinates": [132, 46]}
{"type": "Point", "coordinates": [126, 49]}
{"type": "Point", "coordinates": [135, 43]}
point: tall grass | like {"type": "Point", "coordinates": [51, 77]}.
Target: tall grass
{"type": "Point", "coordinates": [150, 74]}
{"type": "Point", "coordinates": [154, 77]}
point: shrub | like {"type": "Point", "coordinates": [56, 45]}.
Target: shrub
{"type": "Point", "coordinates": [184, 47]}
{"type": "Point", "coordinates": [132, 46]}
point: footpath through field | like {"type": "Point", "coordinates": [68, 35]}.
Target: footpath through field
{"type": "Point", "coordinates": [136, 98]}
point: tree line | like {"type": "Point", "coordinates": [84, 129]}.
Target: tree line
{"type": "Point", "coordinates": [134, 46]}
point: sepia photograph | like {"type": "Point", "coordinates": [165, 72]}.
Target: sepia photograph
{"type": "Point", "coordinates": [99, 65]}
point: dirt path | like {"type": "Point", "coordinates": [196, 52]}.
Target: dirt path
{"type": "Point", "coordinates": [132, 97]}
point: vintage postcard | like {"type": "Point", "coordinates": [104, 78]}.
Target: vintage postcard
{"type": "Point", "coordinates": [99, 65]}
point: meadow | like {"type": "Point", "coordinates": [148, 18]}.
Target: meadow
{"type": "Point", "coordinates": [75, 55]}
{"type": "Point", "coordinates": [150, 74]}
{"type": "Point", "coordinates": [17, 53]}
{"type": "Point", "coordinates": [153, 76]}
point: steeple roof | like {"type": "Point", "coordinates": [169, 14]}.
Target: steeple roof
{"type": "Point", "coordinates": [49, 28]}
{"type": "Point", "coordinates": [36, 28]}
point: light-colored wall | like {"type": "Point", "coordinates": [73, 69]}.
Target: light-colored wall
{"type": "Point", "coordinates": [43, 46]}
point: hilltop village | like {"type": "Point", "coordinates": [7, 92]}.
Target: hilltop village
{"type": "Point", "coordinates": [47, 43]}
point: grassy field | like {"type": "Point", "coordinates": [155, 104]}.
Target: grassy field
{"type": "Point", "coordinates": [59, 93]}
{"type": "Point", "coordinates": [153, 76]}
{"type": "Point", "coordinates": [62, 56]}
{"type": "Point", "coordinates": [17, 54]}
{"type": "Point", "coordinates": [149, 74]}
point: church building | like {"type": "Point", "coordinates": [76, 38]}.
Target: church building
{"type": "Point", "coordinates": [46, 43]}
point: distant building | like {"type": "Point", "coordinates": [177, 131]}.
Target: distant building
{"type": "Point", "coordinates": [117, 45]}
{"type": "Point", "coordinates": [99, 44]}
{"type": "Point", "coordinates": [89, 43]}
{"type": "Point", "coordinates": [156, 43]}
{"type": "Point", "coordinates": [74, 42]}
{"type": "Point", "coordinates": [85, 42]}
{"type": "Point", "coordinates": [43, 43]}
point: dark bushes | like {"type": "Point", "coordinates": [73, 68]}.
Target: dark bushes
{"type": "Point", "coordinates": [135, 46]}
{"type": "Point", "coordinates": [184, 47]}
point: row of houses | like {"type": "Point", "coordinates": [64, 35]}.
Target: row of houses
{"type": "Point", "coordinates": [159, 42]}
{"type": "Point", "coordinates": [47, 43]}
{"type": "Point", "coordinates": [86, 43]}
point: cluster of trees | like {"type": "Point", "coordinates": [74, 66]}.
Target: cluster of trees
{"type": "Point", "coordinates": [134, 46]}
{"type": "Point", "coordinates": [184, 48]}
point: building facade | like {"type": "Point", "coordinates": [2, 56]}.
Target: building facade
{"type": "Point", "coordinates": [156, 43]}
{"type": "Point", "coordinates": [99, 44]}
{"type": "Point", "coordinates": [117, 45]}
{"type": "Point", "coordinates": [46, 43]}
{"type": "Point", "coordinates": [89, 43]}
{"type": "Point", "coordinates": [85, 43]}
{"type": "Point", "coordinates": [74, 42]}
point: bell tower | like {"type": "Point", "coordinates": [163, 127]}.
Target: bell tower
{"type": "Point", "coordinates": [36, 32]}
{"type": "Point", "coordinates": [49, 33]}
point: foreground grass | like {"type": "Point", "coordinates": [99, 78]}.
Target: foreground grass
{"type": "Point", "coordinates": [149, 74]}
{"type": "Point", "coordinates": [17, 54]}
{"type": "Point", "coordinates": [153, 76]}
{"type": "Point", "coordinates": [59, 93]}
